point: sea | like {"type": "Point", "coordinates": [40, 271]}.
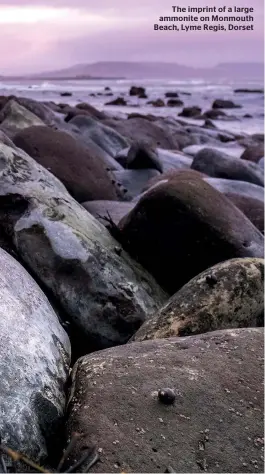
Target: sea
{"type": "Point", "coordinates": [203, 93]}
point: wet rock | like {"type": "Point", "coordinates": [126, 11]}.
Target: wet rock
{"type": "Point", "coordinates": [249, 91]}
{"type": "Point", "coordinates": [191, 112]}
{"type": "Point", "coordinates": [172, 174]}
{"type": "Point", "coordinates": [253, 153]}
{"type": "Point", "coordinates": [171, 160]}
{"type": "Point", "coordinates": [252, 208]}
{"type": "Point", "coordinates": [261, 163]}
{"type": "Point", "coordinates": [43, 110]}
{"type": "Point", "coordinates": [209, 124]}
{"type": "Point", "coordinates": [225, 104]}
{"type": "Point", "coordinates": [106, 211]}
{"type": "Point", "coordinates": [137, 91]}
{"type": "Point", "coordinates": [231, 149]}
{"type": "Point", "coordinates": [34, 365]}
{"type": "Point", "coordinates": [228, 295]}
{"type": "Point", "coordinates": [175, 103]}
{"type": "Point", "coordinates": [214, 114]}
{"type": "Point", "coordinates": [14, 117]}
{"type": "Point", "coordinates": [181, 227]}
{"type": "Point", "coordinates": [66, 94]}
{"type": "Point", "coordinates": [215, 424]}
{"type": "Point", "coordinates": [140, 156]}
{"type": "Point", "coordinates": [104, 296]}
{"type": "Point", "coordinates": [220, 165]}
{"type": "Point", "coordinates": [82, 172]}
{"type": "Point", "coordinates": [171, 95]}
{"type": "Point", "coordinates": [118, 101]}
{"type": "Point", "coordinates": [157, 103]}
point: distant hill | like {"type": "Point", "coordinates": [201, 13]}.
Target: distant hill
{"type": "Point", "coordinates": [154, 70]}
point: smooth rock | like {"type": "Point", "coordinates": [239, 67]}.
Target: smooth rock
{"type": "Point", "coordinates": [91, 110]}
{"type": "Point", "coordinates": [241, 188]}
{"type": "Point", "coordinates": [137, 91]}
{"type": "Point", "coordinates": [134, 180]}
{"type": "Point", "coordinates": [215, 424]}
{"type": "Point", "coordinates": [14, 117]}
{"type": "Point", "coordinates": [140, 155]}
{"type": "Point", "coordinates": [183, 226]}
{"type": "Point", "coordinates": [118, 101]}
{"type": "Point", "coordinates": [83, 173]}
{"type": "Point", "coordinates": [175, 103]}
{"type": "Point", "coordinates": [171, 95]}
{"type": "Point", "coordinates": [34, 365]}
{"type": "Point", "coordinates": [225, 104]}
{"type": "Point", "coordinates": [252, 208]}
{"type": "Point", "coordinates": [253, 153]}
{"type": "Point", "coordinates": [216, 164]}
{"type": "Point", "coordinates": [228, 295]}
{"type": "Point", "coordinates": [104, 296]}
{"type": "Point", "coordinates": [190, 112]}
{"type": "Point", "coordinates": [232, 149]}
{"type": "Point", "coordinates": [157, 103]}
{"type": "Point", "coordinates": [261, 163]}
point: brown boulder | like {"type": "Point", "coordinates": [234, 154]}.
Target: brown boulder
{"type": "Point", "coordinates": [253, 152]}
{"type": "Point", "coordinates": [252, 208]}
{"type": "Point", "coordinates": [83, 173]}
{"type": "Point", "coordinates": [215, 424]}
{"type": "Point", "coordinates": [184, 226]}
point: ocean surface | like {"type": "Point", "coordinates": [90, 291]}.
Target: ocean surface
{"type": "Point", "coordinates": [203, 93]}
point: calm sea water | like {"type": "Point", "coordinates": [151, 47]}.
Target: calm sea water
{"type": "Point", "coordinates": [202, 94]}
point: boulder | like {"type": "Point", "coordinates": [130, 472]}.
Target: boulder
{"type": "Point", "coordinates": [172, 174]}
{"type": "Point", "coordinates": [108, 212]}
{"type": "Point", "coordinates": [103, 294]}
{"type": "Point", "coordinates": [214, 425]}
{"type": "Point", "coordinates": [14, 117]}
{"type": "Point", "coordinates": [231, 149]}
{"type": "Point", "coordinates": [34, 365]}
{"type": "Point", "coordinates": [253, 153]}
{"type": "Point", "coordinates": [175, 103]}
{"type": "Point", "coordinates": [240, 188]}
{"type": "Point", "coordinates": [43, 110]}
{"type": "Point", "coordinates": [105, 137]}
{"type": "Point", "coordinates": [249, 91]}
{"type": "Point", "coordinates": [118, 101]}
{"type": "Point", "coordinates": [225, 104]}
{"type": "Point", "coordinates": [157, 103]}
{"type": "Point", "coordinates": [83, 173]}
{"type": "Point", "coordinates": [173, 160]}
{"type": "Point", "coordinates": [140, 155]}
{"type": "Point", "coordinates": [181, 227]}
{"type": "Point", "coordinates": [191, 112]}
{"type": "Point", "coordinates": [92, 111]}
{"type": "Point", "coordinates": [133, 181]}
{"type": "Point", "coordinates": [137, 91]}
{"type": "Point", "coordinates": [66, 94]}
{"type": "Point", "coordinates": [214, 114]}
{"type": "Point", "coordinates": [142, 129]}
{"type": "Point", "coordinates": [171, 95]}
{"type": "Point", "coordinates": [220, 165]}
{"type": "Point", "coordinates": [252, 208]}
{"type": "Point", "coordinates": [261, 163]}
{"type": "Point", "coordinates": [228, 295]}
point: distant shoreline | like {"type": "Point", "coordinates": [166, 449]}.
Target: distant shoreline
{"type": "Point", "coordinates": [63, 78]}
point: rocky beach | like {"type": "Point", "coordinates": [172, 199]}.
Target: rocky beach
{"type": "Point", "coordinates": [132, 277]}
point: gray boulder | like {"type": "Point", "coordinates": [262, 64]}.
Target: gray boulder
{"type": "Point", "coordinates": [34, 364]}
{"type": "Point", "coordinates": [241, 188]}
{"type": "Point", "coordinates": [228, 295]}
{"type": "Point", "coordinates": [15, 117]}
{"type": "Point", "coordinates": [220, 165]}
{"type": "Point", "coordinates": [134, 181]}
{"type": "Point", "coordinates": [103, 293]}
{"type": "Point", "coordinates": [215, 424]}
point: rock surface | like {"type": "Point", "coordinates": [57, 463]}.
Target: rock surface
{"type": "Point", "coordinates": [14, 117]}
{"type": "Point", "coordinates": [81, 171]}
{"type": "Point", "coordinates": [102, 293]}
{"type": "Point", "coordinates": [241, 188]}
{"type": "Point", "coordinates": [215, 424]}
{"type": "Point", "coordinates": [105, 210]}
{"type": "Point", "coordinates": [216, 164]}
{"type": "Point", "coordinates": [183, 226]}
{"type": "Point", "coordinates": [34, 364]}
{"type": "Point", "coordinates": [228, 295]}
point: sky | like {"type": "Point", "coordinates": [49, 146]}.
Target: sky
{"type": "Point", "coordinates": [43, 35]}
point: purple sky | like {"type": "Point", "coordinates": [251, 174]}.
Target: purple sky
{"type": "Point", "coordinates": [50, 34]}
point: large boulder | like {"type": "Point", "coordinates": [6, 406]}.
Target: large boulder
{"type": "Point", "coordinates": [215, 424]}
{"type": "Point", "coordinates": [183, 226]}
{"type": "Point", "coordinates": [47, 112]}
{"type": "Point", "coordinates": [228, 295]}
{"type": "Point", "coordinates": [34, 365]}
{"type": "Point", "coordinates": [83, 173]}
{"type": "Point", "coordinates": [172, 174]}
{"type": "Point", "coordinates": [191, 112]}
{"type": "Point", "coordinates": [253, 152]}
{"type": "Point", "coordinates": [14, 117]}
{"type": "Point", "coordinates": [225, 104]}
{"type": "Point", "coordinates": [105, 137]}
{"type": "Point", "coordinates": [102, 293]}
{"type": "Point", "coordinates": [141, 129]}
{"type": "Point", "coordinates": [217, 164]}
{"type": "Point", "coordinates": [137, 91]}
{"type": "Point", "coordinates": [231, 149]}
